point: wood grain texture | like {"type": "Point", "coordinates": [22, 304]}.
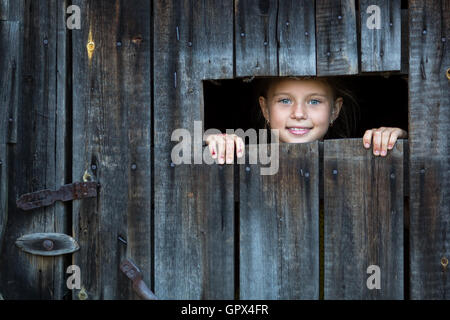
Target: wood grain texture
{"type": "Point", "coordinates": [4, 9]}
{"type": "Point", "coordinates": [10, 46]}
{"type": "Point", "coordinates": [256, 38]}
{"type": "Point", "coordinates": [381, 48]}
{"type": "Point", "coordinates": [35, 160]}
{"type": "Point", "coordinates": [112, 144]}
{"type": "Point", "coordinates": [279, 226]}
{"type": "Point", "coordinates": [404, 69]}
{"type": "Point", "coordinates": [363, 210]}
{"type": "Point", "coordinates": [297, 38]}
{"type": "Point", "coordinates": [429, 118]}
{"type": "Point", "coordinates": [194, 204]}
{"type": "Point", "coordinates": [337, 50]}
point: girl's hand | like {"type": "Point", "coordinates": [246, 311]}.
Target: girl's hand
{"type": "Point", "coordinates": [383, 139]}
{"type": "Point", "coordinates": [222, 145]}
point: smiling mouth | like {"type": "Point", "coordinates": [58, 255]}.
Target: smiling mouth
{"type": "Point", "coordinates": [298, 131]}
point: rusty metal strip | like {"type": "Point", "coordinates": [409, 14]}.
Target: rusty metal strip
{"type": "Point", "coordinates": [47, 197]}
{"type": "Point", "coordinates": [134, 274]}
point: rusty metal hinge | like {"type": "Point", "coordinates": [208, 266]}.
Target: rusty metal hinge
{"type": "Point", "coordinates": [134, 274]}
{"type": "Point", "coordinates": [43, 198]}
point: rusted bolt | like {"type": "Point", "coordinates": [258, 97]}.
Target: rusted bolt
{"type": "Point", "coordinates": [48, 244]}
{"type": "Point", "coordinates": [90, 46]}
{"type": "Point", "coordinates": [448, 73]}
{"type": "Point", "coordinates": [444, 262]}
{"type": "Point", "coordinates": [82, 295]}
{"type": "Point", "coordinates": [137, 40]}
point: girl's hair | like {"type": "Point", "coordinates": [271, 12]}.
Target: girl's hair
{"type": "Point", "coordinates": [345, 126]}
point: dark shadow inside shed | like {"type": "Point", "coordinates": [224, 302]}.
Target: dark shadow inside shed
{"type": "Point", "coordinates": [382, 101]}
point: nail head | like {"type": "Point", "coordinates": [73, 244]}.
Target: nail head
{"type": "Point", "coordinates": [48, 244]}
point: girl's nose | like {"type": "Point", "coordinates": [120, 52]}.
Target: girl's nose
{"type": "Point", "coordinates": [299, 111]}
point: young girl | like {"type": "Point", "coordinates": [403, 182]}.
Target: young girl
{"type": "Point", "coordinates": [304, 110]}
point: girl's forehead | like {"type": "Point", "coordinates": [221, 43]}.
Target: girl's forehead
{"type": "Point", "coordinates": [299, 86]}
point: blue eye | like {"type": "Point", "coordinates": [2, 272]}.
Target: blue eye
{"type": "Point", "coordinates": [315, 100]}
{"type": "Point", "coordinates": [285, 101]}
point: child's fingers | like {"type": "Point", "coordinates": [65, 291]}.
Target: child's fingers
{"type": "Point", "coordinates": [212, 144]}
{"type": "Point", "coordinates": [377, 141]}
{"type": "Point", "coordinates": [239, 146]}
{"type": "Point", "coordinates": [385, 136]}
{"type": "Point", "coordinates": [393, 138]}
{"type": "Point", "coordinates": [221, 149]}
{"type": "Point", "coordinates": [229, 148]}
{"type": "Point", "coordinates": [367, 138]}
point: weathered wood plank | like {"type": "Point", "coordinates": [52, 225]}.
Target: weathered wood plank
{"type": "Point", "coordinates": [337, 50]}
{"type": "Point", "coordinates": [33, 164]}
{"type": "Point", "coordinates": [363, 210]}
{"type": "Point", "coordinates": [380, 35]}
{"type": "Point", "coordinates": [297, 32]}
{"type": "Point", "coordinates": [405, 42]}
{"type": "Point", "coordinates": [279, 226]}
{"type": "Point", "coordinates": [256, 38]}
{"type": "Point", "coordinates": [10, 46]}
{"type": "Point", "coordinates": [194, 205]}
{"type": "Point", "coordinates": [112, 144]}
{"type": "Point", "coordinates": [4, 9]}
{"type": "Point", "coordinates": [429, 123]}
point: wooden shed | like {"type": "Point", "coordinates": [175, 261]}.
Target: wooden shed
{"type": "Point", "coordinates": [89, 110]}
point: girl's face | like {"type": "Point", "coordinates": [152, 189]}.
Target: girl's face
{"type": "Point", "coordinates": [301, 110]}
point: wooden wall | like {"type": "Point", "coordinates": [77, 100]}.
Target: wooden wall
{"type": "Point", "coordinates": [101, 103]}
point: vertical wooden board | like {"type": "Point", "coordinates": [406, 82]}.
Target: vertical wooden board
{"type": "Point", "coordinates": [405, 42]}
{"type": "Point", "coordinates": [33, 164]}
{"type": "Point", "coordinates": [336, 34]}
{"type": "Point", "coordinates": [194, 205]}
{"type": "Point", "coordinates": [429, 118]}
{"type": "Point", "coordinates": [380, 35]}
{"type": "Point", "coordinates": [4, 9]}
{"type": "Point", "coordinates": [10, 40]}
{"type": "Point", "coordinates": [363, 220]}
{"type": "Point", "coordinates": [279, 226]}
{"type": "Point", "coordinates": [112, 144]}
{"type": "Point", "coordinates": [256, 38]}
{"type": "Point", "coordinates": [297, 32]}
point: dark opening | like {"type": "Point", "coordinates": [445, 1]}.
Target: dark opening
{"type": "Point", "coordinates": [381, 100]}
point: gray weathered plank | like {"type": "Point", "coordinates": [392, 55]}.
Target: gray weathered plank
{"type": "Point", "coordinates": [256, 38]}
{"type": "Point", "coordinates": [279, 226]}
{"type": "Point", "coordinates": [297, 38]}
{"type": "Point", "coordinates": [112, 144]}
{"type": "Point", "coordinates": [363, 210]}
{"type": "Point", "coordinates": [404, 68]}
{"type": "Point", "coordinates": [380, 48]}
{"type": "Point", "coordinates": [194, 205]}
{"type": "Point", "coordinates": [4, 9]}
{"type": "Point", "coordinates": [429, 123]}
{"type": "Point", "coordinates": [35, 161]}
{"type": "Point", "coordinates": [336, 35]}
{"type": "Point", "coordinates": [10, 46]}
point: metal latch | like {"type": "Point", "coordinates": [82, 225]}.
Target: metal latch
{"type": "Point", "coordinates": [43, 198]}
{"type": "Point", "coordinates": [134, 274]}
